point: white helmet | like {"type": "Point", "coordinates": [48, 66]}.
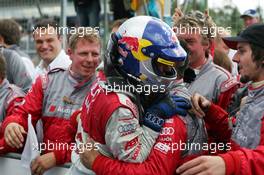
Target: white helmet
{"type": "Point", "coordinates": [140, 45]}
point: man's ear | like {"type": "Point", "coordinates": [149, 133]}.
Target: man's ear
{"type": "Point", "coordinates": [70, 52]}
{"type": "Point", "coordinates": [60, 38]}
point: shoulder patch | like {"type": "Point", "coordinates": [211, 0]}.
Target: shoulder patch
{"type": "Point", "coordinates": [56, 70]}
{"type": "Point", "coordinates": [15, 93]}
{"type": "Point", "coordinates": [228, 84]}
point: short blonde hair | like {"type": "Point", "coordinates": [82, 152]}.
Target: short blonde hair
{"type": "Point", "coordinates": [92, 37]}
{"type": "Point", "coordinates": [197, 19]}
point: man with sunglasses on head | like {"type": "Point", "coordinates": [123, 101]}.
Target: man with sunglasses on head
{"type": "Point", "coordinates": [212, 81]}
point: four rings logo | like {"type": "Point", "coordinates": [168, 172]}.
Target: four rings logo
{"type": "Point", "coordinates": [127, 128]}
{"type": "Point", "coordinates": [167, 131]}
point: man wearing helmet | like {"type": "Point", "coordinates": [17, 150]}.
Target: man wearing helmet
{"type": "Point", "coordinates": [125, 124]}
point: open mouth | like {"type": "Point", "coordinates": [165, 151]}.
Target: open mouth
{"type": "Point", "coordinates": [88, 67]}
{"type": "Point", "coordinates": [45, 51]}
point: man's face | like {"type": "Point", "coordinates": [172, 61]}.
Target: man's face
{"type": "Point", "coordinates": [196, 49]}
{"type": "Point", "coordinates": [47, 44]}
{"type": "Point", "coordinates": [247, 68]}
{"type": "Point", "coordinates": [85, 58]}
{"type": "Point", "coordinates": [249, 21]}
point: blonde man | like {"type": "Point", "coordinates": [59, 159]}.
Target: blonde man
{"type": "Point", "coordinates": [212, 81]}
{"type": "Point", "coordinates": [53, 99]}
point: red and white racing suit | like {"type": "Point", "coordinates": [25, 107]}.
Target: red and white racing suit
{"type": "Point", "coordinates": [103, 121]}
{"type": "Point", "coordinates": [53, 98]}
{"type": "Point", "coordinates": [214, 83]}
{"type": "Point", "coordinates": [111, 119]}
{"type": "Point", "coordinates": [246, 156]}
{"type": "Point", "coordinates": [11, 96]}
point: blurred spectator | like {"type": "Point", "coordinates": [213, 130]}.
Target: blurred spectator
{"type": "Point", "coordinates": [150, 7]}
{"type": "Point", "coordinates": [48, 47]}
{"type": "Point", "coordinates": [88, 12]}
{"type": "Point", "coordinates": [177, 15]}
{"type": "Point", "coordinates": [221, 59]}
{"type": "Point", "coordinates": [121, 9]}
{"type": "Point", "coordinates": [10, 95]}
{"type": "Point", "coordinates": [117, 23]}
{"type": "Point", "coordinates": [219, 43]}
{"type": "Point", "coordinates": [16, 72]}
{"type": "Point", "coordinates": [222, 47]}
{"type": "Point", "coordinates": [250, 17]}
{"type": "Point", "coordinates": [10, 35]}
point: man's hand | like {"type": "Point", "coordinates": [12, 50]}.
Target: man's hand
{"type": "Point", "coordinates": [213, 165]}
{"type": "Point", "coordinates": [14, 135]}
{"type": "Point", "coordinates": [88, 154]}
{"type": "Point", "coordinates": [177, 15]}
{"type": "Point", "coordinates": [200, 105]}
{"type": "Point", "coordinates": [43, 163]}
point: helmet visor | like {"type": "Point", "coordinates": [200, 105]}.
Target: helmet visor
{"type": "Point", "coordinates": [171, 53]}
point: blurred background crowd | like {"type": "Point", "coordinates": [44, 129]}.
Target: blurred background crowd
{"type": "Point", "coordinates": [102, 13]}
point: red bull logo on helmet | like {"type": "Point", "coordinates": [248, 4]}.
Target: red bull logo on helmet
{"type": "Point", "coordinates": [131, 43]}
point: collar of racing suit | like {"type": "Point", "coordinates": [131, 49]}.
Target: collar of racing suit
{"type": "Point", "coordinates": [4, 84]}
{"type": "Point", "coordinates": [79, 80]}
{"type": "Point", "coordinates": [256, 85]}
{"type": "Point", "coordinates": [204, 67]}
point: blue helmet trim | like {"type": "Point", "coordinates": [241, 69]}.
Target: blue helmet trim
{"type": "Point", "coordinates": [172, 52]}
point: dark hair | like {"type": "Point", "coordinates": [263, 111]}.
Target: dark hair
{"type": "Point", "coordinates": [2, 67]}
{"type": "Point", "coordinates": [257, 54]}
{"type": "Point", "coordinates": [44, 23]}
{"type": "Point", "coordinates": [10, 31]}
